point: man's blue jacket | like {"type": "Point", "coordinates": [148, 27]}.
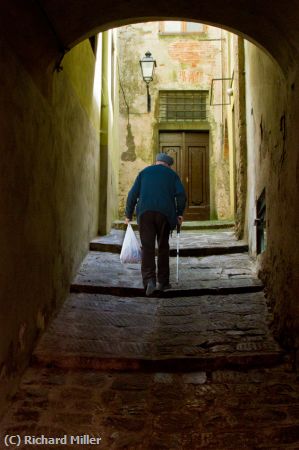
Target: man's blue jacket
{"type": "Point", "coordinates": [157, 188]}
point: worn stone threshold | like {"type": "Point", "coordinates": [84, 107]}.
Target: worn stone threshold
{"type": "Point", "coordinates": [185, 364]}
{"type": "Point", "coordinates": [103, 273]}
{"type": "Point", "coordinates": [122, 291]}
{"type": "Point", "coordinates": [191, 243]}
{"type": "Point", "coordinates": [199, 251]}
{"type": "Point", "coordinates": [188, 225]}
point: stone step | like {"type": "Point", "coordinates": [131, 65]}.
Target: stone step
{"type": "Point", "coordinates": [121, 291]}
{"type": "Point", "coordinates": [191, 243]}
{"type": "Point", "coordinates": [103, 332]}
{"type": "Point", "coordinates": [224, 274]}
{"type": "Point", "coordinates": [239, 361]}
{"type": "Point", "coordinates": [192, 225]}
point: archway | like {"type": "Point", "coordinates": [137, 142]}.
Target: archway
{"type": "Point", "coordinates": [65, 24]}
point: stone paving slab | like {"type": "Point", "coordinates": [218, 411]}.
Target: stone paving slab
{"type": "Point", "coordinates": [98, 331]}
{"type": "Point", "coordinates": [192, 243]}
{"type": "Point", "coordinates": [103, 272]}
{"type": "Point", "coordinates": [219, 410]}
{"type": "Point", "coordinates": [187, 225]}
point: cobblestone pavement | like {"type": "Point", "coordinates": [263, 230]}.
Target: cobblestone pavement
{"type": "Point", "coordinates": [222, 409]}
{"type": "Point", "coordinates": [178, 371]}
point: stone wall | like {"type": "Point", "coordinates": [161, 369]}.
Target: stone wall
{"type": "Point", "coordinates": [184, 62]}
{"type": "Point", "coordinates": [273, 163]}
{"type": "Point", "coordinates": [109, 148]}
{"type": "Point", "coordinates": [234, 113]}
{"type": "Point", "coordinates": [49, 197]}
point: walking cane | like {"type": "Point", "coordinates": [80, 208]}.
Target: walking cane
{"type": "Point", "coordinates": [178, 231]}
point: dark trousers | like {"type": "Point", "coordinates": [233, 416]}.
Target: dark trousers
{"type": "Point", "coordinates": [152, 225]}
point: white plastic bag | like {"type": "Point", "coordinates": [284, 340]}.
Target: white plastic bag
{"type": "Point", "coordinates": [130, 251]}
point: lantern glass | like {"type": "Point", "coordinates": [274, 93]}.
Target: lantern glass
{"type": "Point", "coordinates": [147, 64]}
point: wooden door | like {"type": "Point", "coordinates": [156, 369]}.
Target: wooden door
{"type": "Point", "coordinates": [190, 151]}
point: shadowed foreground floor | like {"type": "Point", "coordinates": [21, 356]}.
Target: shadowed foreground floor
{"type": "Point", "coordinates": [196, 367]}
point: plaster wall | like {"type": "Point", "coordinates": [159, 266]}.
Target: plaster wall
{"type": "Point", "coordinates": [235, 119]}
{"type": "Point", "coordinates": [228, 69]}
{"type": "Point", "coordinates": [109, 149]}
{"type": "Point", "coordinates": [184, 62]}
{"type": "Point", "coordinates": [265, 139]}
{"type": "Point", "coordinates": [113, 131]}
{"type": "Point", "coordinates": [272, 109]}
{"type": "Point", "coordinates": [49, 197]}
{"type": "Point", "coordinates": [240, 135]}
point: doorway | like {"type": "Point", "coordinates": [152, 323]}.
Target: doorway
{"type": "Point", "coordinates": [190, 151]}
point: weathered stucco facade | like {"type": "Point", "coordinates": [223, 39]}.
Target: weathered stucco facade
{"type": "Point", "coordinates": [48, 197]}
{"type": "Point", "coordinates": [109, 146]}
{"type": "Point", "coordinates": [185, 62]}
{"type": "Point", "coordinates": [274, 167]}
{"type": "Point", "coordinates": [49, 193]}
{"type": "Point", "coordinates": [234, 118]}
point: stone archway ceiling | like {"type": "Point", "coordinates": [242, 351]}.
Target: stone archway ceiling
{"type": "Point", "coordinates": [273, 23]}
{"type": "Point", "coordinates": [41, 28]}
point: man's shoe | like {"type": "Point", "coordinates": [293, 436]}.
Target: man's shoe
{"type": "Point", "coordinates": [163, 286]}
{"type": "Point", "coordinates": [150, 288]}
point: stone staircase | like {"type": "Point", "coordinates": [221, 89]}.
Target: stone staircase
{"type": "Point", "coordinates": [194, 368]}
{"type": "Point", "coordinates": [216, 316]}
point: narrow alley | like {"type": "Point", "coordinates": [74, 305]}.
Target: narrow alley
{"type": "Point", "coordinates": [196, 367]}
{"type": "Point", "coordinates": [91, 93]}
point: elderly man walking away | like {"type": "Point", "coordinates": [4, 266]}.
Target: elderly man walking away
{"type": "Point", "coordinates": [160, 199]}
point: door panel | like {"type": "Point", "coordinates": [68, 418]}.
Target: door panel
{"type": "Point", "coordinates": [190, 151]}
{"type": "Point", "coordinates": [196, 185]}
